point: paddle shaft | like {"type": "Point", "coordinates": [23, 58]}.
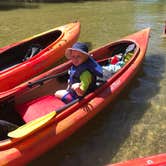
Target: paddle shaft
{"type": "Point", "coordinates": [40, 82]}
{"type": "Point", "coordinates": [66, 106]}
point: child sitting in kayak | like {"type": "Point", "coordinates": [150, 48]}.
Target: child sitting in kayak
{"type": "Point", "coordinates": [82, 73]}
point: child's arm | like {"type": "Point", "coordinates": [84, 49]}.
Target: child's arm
{"type": "Point", "coordinates": [81, 88]}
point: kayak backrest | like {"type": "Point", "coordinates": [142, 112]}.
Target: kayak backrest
{"type": "Point", "coordinates": [32, 51]}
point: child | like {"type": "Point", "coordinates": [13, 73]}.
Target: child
{"type": "Point", "coordinates": [83, 73]}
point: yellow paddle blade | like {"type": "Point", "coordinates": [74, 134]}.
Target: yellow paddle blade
{"type": "Point", "coordinates": [31, 126]}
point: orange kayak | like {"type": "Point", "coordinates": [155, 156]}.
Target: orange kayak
{"type": "Point", "coordinates": [156, 160]}
{"type": "Point", "coordinates": [25, 59]}
{"type": "Point", "coordinates": [47, 121]}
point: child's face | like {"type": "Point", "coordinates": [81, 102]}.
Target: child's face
{"type": "Point", "coordinates": [77, 58]}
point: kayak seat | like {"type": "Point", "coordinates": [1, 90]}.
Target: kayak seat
{"type": "Point", "coordinates": [20, 52]}
{"type": "Point", "coordinates": [38, 107]}
{"type": "Point", "coordinates": [32, 51]}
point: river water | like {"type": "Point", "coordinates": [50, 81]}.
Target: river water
{"type": "Point", "coordinates": [135, 125]}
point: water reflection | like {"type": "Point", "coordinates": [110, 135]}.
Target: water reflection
{"type": "Point", "coordinates": [153, 68]}
{"type": "Point", "coordinates": [5, 5]}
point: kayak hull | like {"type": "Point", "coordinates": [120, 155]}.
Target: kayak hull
{"type": "Point", "coordinates": [21, 150]}
{"type": "Point", "coordinates": [156, 160]}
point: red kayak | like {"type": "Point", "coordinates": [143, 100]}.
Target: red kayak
{"type": "Point", "coordinates": [46, 120]}
{"type": "Point", "coordinates": [157, 160]}
{"type": "Point", "coordinates": [25, 59]}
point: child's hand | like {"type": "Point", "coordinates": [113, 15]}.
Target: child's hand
{"type": "Point", "coordinates": [75, 86]}
{"type": "Point", "coordinates": [77, 89]}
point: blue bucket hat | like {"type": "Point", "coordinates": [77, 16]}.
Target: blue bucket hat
{"type": "Point", "coordinates": [81, 47]}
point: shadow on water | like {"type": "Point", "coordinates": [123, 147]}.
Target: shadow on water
{"type": "Point", "coordinates": [17, 5]}
{"type": "Point", "coordinates": [99, 141]}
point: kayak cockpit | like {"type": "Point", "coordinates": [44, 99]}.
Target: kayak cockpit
{"type": "Point", "coordinates": [21, 52]}
{"type": "Point", "coordinates": [47, 103]}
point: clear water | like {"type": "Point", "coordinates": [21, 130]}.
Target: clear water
{"type": "Point", "coordinates": [135, 125]}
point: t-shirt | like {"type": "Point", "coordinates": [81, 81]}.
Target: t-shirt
{"type": "Point", "coordinates": [86, 79]}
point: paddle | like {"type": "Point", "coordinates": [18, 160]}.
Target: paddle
{"type": "Point", "coordinates": [37, 123]}
{"type": "Point", "coordinates": [130, 48]}
{"type": "Point", "coordinates": [32, 84]}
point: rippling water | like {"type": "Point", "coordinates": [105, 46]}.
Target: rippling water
{"type": "Point", "coordinates": [133, 126]}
